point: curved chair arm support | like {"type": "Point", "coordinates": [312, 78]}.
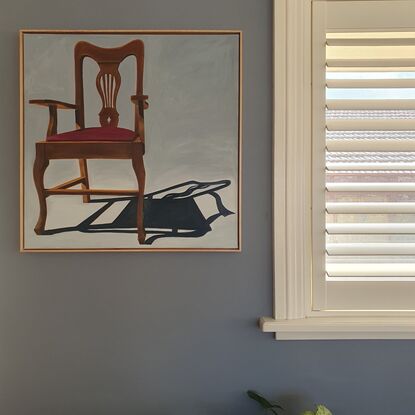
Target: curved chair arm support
{"type": "Point", "coordinates": [140, 104]}
{"type": "Point", "coordinates": [53, 114]}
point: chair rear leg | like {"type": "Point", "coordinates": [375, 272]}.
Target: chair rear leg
{"type": "Point", "coordinates": [138, 166]}
{"type": "Point", "coordinates": [39, 167]}
{"type": "Point", "coordinates": [83, 167]}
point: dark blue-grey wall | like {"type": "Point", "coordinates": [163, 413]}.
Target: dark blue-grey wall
{"type": "Point", "coordinates": [155, 334]}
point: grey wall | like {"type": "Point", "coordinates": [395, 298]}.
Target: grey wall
{"type": "Point", "coordinates": [126, 334]}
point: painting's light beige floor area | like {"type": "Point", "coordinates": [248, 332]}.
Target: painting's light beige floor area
{"type": "Point", "coordinates": [69, 211]}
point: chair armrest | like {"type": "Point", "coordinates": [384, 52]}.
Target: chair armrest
{"type": "Point", "coordinates": [54, 103]}
{"type": "Point", "coordinates": [53, 113]}
{"type": "Point", "coordinates": [140, 98]}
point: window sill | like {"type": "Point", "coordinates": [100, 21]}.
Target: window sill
{"type": "Point", "coordinates": [340, 328]}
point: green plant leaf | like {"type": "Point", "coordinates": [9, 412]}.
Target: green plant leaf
{"type": "Point", "coordinates": [308, 413]}
{"type": "Point", "coordinates": [322, 410]}
{"type": "Point", "coordinates": [265, 404]}
{"type": "Point", "coordinates": [260, 399]}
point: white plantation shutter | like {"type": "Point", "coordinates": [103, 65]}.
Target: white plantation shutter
{"type": "Point", "coordinates": [363, 156]}
{"type": "Point", "coordinates": [370, 156]}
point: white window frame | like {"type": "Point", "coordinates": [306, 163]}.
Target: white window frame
{"type": "Point", "coordinates": [293, 316]}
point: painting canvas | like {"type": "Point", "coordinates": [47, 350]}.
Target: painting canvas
{"type": "Point", "coordinates": [130, 140]}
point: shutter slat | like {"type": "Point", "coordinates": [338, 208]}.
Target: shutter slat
{"type": "Point", "coordinates": [370, 104]}
{"type": "Point", "coordinates": [370, 145]}
{"type": "Point", "coordinates": [370, 270]}
{"type": "Point", "coordinates": [370, 124]}
{"type": "Point", "coordinates": [374, 69]}
{"type": "Point", "coordinates": [334, 166]}
{"type": "Point", "coordinates": [372, 63]}
{"type": "Point", "coordinates": [370, 228]}
{"type": "Point", "coordinates": [371, 249]}
{"type": "Point", "coordinates": [370, 83]}
{"type": "Point", "coordinates": [370, 207]}
{"type": "Point", "coordinates": [371, 42]}
{"type": "Point", "coordinates": [370, 187]}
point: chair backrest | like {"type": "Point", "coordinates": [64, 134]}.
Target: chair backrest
{"type": "Point", "coordinates": [108, 80]}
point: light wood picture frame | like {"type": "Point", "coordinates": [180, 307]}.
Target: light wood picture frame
{"type": "Point", "coordinates": [130, 178]}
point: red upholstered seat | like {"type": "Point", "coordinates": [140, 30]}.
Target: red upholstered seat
{"type": "Point", "coordinates": [95, 134]}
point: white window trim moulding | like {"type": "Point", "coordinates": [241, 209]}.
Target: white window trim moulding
{"type": "Point", "coordinates": [294, 317]}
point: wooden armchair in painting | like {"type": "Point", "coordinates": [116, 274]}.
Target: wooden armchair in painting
{"type": "Point", "coordinates": [105, 142]}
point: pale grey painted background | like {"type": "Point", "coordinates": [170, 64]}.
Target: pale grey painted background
{"type": "Point", "coordinates": [191, 130]}
{"type": "Point", "coordinates": [166, 334]}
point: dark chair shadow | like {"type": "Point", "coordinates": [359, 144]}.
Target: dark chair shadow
{"type": "Point", "coordinates": [174, 215]}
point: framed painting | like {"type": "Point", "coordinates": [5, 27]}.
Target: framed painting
{"type": "Point", "coordinates": [130, 140]}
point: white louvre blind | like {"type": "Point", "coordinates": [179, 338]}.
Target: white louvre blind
{"type": "Point", "coordinates": [370, 155]}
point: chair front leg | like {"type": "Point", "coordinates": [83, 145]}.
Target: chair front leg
{"type": "Point", "coordinates": [39, 167]}
{"type": "Point", "coordinates": [138, 166]}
